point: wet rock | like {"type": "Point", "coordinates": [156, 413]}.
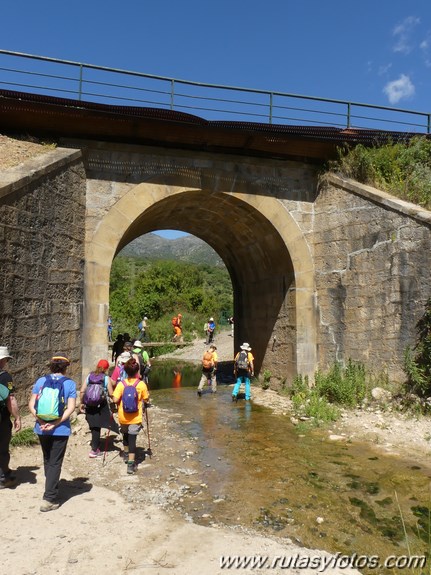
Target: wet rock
{"type": "Point", "coordinates": [334, 437]}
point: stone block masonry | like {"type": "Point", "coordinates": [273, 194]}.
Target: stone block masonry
{"type": "Point", "coordinates": [42, 227]}
{"type": "Point", "coordinates": [372, 266]}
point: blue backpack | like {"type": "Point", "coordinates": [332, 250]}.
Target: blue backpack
{"type": "Point", "coordinates": [130, 398]}
{"type": "Point", "coordinates": [50, 401]}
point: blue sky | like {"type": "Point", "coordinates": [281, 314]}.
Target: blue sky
{"type": "Point", "coordinates": [376, 52]}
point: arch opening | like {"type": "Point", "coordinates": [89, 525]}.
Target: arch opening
{"type": "Point", "coordinates": [252, 240]}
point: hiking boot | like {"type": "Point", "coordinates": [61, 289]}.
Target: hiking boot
{"type": "Point", "coordinates": [131, 467]}
{"type": "Point", "coordinates": [9, 475]}
{"type": "Point", "coordinates": [199, 393]}
{"type": "Point", "coordinates": [94, 454]}
{"type": "Point", "coordinates": [49, 506]}
{"type": "Point", "coordinates": [234, 398]}
{"type": "Point", "coordinates": [7, 482]}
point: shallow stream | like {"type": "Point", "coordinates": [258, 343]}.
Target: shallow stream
{"type": "Point", "coordinates": [262, 473]}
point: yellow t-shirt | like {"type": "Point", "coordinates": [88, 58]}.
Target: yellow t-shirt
{"type": "Point", "coordinates": [143, 395]}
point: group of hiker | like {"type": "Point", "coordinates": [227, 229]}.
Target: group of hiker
{"type": "Point", "coordinates": [53, 401]}
{"type": "Point", "coordinates": [243, 371]}
{"type": "Point", "coordinates": [117, 402]}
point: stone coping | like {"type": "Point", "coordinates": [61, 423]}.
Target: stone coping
{"type": "Point", "coordinates": [17, 177]}
{"type": "Point", "coordinates": [373, 194]}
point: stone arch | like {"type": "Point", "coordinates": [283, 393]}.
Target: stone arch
{"type": "Point", "coordinates": [264, 250]}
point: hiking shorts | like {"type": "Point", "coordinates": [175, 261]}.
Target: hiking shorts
{"type": "Point", "coordinates": [132, 429]}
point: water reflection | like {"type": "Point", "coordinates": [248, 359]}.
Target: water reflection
{"type": "Point", "coordinates": [176, 381]}
{"type": "Point", "coordinates": [260, 472]}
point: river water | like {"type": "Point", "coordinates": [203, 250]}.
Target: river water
{"type": "Point", "coordinates": [262, 473]}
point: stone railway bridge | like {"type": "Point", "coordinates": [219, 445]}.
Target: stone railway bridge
{"type": "Point", "coordinates": [322, 269]}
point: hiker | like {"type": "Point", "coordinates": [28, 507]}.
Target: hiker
{"type": "Point", "coordinates": [142, 326]}
{"type": "Point", "coordinates": [117, 347]}
{"type": "Point", "coordinates": [52, 402]}
{"type": "Point", "coordinates": [210, 330]}
{"type": "Point", "coordinates": [209, 369]}
{"type": "Point", "coordinates": [128, 346]}
{"type": "Point", "coordinates": [231, 323]}
{"type": "Point", "coordinates": [94, 395]}
{"type": "Point", "coordinates": [118, 372]}
{"type": "Point", "coordinates": [8, 408]}
{"type": "Point", "coordinates": [178, 330]}
{"type": "Point", "coordinates": [243, 370]}
{"type": "Point", "coordinates": [129, 395]}
{"type": "Point", "coordinates": [109, 321]}
{"type": "Point", "coordinates": [142, 357]}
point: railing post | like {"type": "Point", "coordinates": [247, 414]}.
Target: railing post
{"type": "Point", "coordinates": [429, 124]}
{"type": "Point", "coordinates": [172, 93]}
{"type": "Point", "coordinates": [348, 114]}
{"type": "Point", "coordinates": [270, 107]}
{"type": "Point", "coordinates": [80, 82]}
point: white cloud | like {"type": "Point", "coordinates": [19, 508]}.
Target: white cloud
{"type": "Point", "coordinates": [402, 34]}
{"type": "Point", "coordinates": [400, 89]}
{"type": "Point", "coordinates": [426, 51]}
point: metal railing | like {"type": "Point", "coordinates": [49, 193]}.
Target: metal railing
{"type": "Point", "coordinates": [99, 84]}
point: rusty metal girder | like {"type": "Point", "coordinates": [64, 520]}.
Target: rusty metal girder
{"type": "Point", "coordinates": [47, 116]}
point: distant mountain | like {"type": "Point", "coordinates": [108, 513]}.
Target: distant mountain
{"type": "Point", "coordinates": [188, 249]}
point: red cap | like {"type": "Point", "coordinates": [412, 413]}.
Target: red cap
{"type": "Point", "coordinates": [103, 363]}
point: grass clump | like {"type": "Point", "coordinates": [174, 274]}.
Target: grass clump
{"type": "Point", "coordinates": [339, 387]}
{"type": "Point", "coordinates": [24, 438]}
{"type": "Point", "coordinates": [402, 169]}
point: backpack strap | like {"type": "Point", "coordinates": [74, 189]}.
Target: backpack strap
{"type": "Point", "coordinates": [135, 383]}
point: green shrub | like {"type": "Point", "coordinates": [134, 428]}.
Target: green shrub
{"type": "Point", "coordinates": [345, 387]}
{"type": "Point", "coordinates": [402, 169]}
{"type": "Point", "coordinates": [24, 438]}
{"type": "Point", "coordinates": [417, 361]}
{"type": "Point", "coordinates": [266, 379]}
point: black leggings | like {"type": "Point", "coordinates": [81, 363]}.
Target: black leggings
{"type": "Point", "coordinates": [95, 438]}
{"type": "Point", "coordinates": [129, 440]}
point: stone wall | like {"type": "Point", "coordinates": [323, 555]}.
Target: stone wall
{"type": "Point", "coordinates": [372, 266]}
{"type": "Point", "coordinates": [42, 223]}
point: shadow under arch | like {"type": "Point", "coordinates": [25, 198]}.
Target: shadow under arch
{"type": "Point", "coordinates": [264, 250]}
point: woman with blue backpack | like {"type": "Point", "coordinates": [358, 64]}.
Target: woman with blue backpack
{"type": "Point", "coordinates": [129, 394]}
{"type": "Point", "coordinates": [94, 403]}
{"type": "Point", "coordinates": [52, 402]}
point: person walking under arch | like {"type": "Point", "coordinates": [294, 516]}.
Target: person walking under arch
{"type": "Point", "coordinates": [52, 402]}
{"type": "Point", "coordinates": [8, 408]}
{"type": "Point", "coordinates": [178, 328]}
{"type": "Point", "coordinates": [129, 395]}
{"type": "Point", "coordinates": [117, 347]}
{"type": "Point", "coordinates": [243, 371]}
{"type": "Point", "coordinates": [142, 357]}
{"type": "Point", "coordinates": [94, 395]}
{"type": "Point", "coordinates": [209, 370]}
{"type": "Point", "coordinates": [210, 330]}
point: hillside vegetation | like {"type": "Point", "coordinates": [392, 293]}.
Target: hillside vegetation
{"type": "Point", "coordinates": [161, 289]}
{"type": "Point", "coordinates": [402, 169]}
{"type": "Point", "coordinates": [186, 249]}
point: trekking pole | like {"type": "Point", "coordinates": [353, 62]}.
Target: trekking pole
{"type": "Point", "coordinates": [150, 453]}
